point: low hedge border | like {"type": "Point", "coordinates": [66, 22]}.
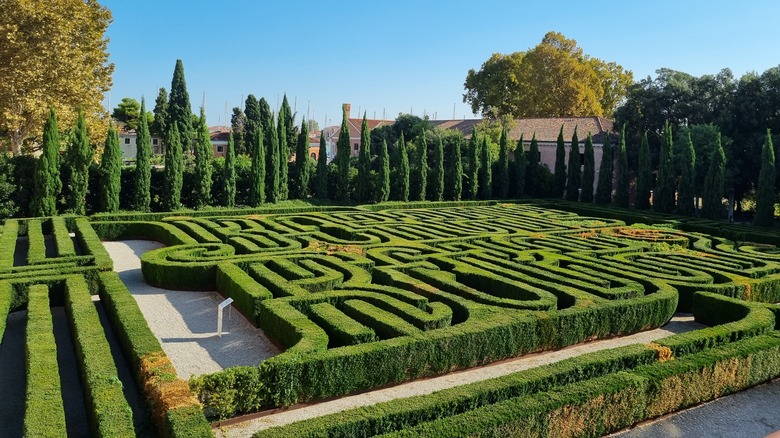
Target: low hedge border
{"type": "Point", "coordinates": [175, 410]}
{"type": "Point", "coordinates": [44, 413]}
{"type": "Point", "coordinates": [580, 403]}
{"type": "Point", "coordinates": [162, 232]}
{"type": "Point", "coordinates": [109, 411]}
{"type": "Point", "coordinates": [90, 244]}
{"type": "Point", "coordinates": [36, 251]}
{"type": "Point", "coordinates": [215, 213]}
{"type": "Point", "coordinates": [8, 243]}
{"type": "Point", "coordinates": [62, 240]}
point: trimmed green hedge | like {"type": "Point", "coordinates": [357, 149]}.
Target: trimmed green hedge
{"type": "Point", "coordinates": [44, 414]}
{"type": "Point", "coordinates": [341, 329]}
{"type": "Point", "coordinates": [162, 232]}
{"type": "Point", "coordinates": [6, 298]}
{"type": "Point", "coordinates": [247, 294]}
{"type": "Point", "coordinates": [109, 412]}
{"type": "Point", "coordinates": [180, 416]}
{"type": "Point", "coordinates": [8, 243]}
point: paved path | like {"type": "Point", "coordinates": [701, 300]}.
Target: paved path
{"type": "Point", "coordinates": [679, 324]}
{"type": "Point", "coordinates": [185, 322]}
{"type": "Point", "coordinates": [748, 414]}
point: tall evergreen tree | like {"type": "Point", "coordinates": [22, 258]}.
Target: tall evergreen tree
{"type": "Point", "coordinates": [229, 192]}
{"type": "Point", "coordinates": [363, 186]}
{"type": "Point", "coordinates": [257, 184]}
{"type": "Point", "coordinates": [644, 178]}
{"type": "Point", "coordinates": [403, 170]}
{"type": "Point", "coordinates": [588, 172]}
{"type": "Point", "coordinates": [143, 168]}
{"type": "Point", "coordinates": [501, 181]}
{"type": "Point", "coordinates": [204, 153]}
{"type": "Point", "coordinates": [266, 118]}
{"type": "Point", "coordinates": [532, 178]}
{"type": "Point", "coordinates": [559, 181]}
{"type": "Point", "coordinates": [272, 164]}
{"type": "Point", "coordinates": [302, 163]}
{"type": "Point", "coordinates": [179, 108]}
{"type": "Point", "coordinates": [575, 175]}
{"type": "Point", "coordinates": [438, 168]}
{"type": "Point", "coordinates": [455, 171]}
{"type": "Point", "coordinates": [765, 193]}
{"type": "Point", "coordinates": [321, 187]}
{"type": "Point", "coordinates": [238, 128]}
{"type": "Point", "coordinates": [283, 184]}
{"type": "Point", "coordinates": [291, 130]}
{"type": "Point", "coordinates": [47, 171]}
{"type": "Point", "coordinates": [474, 156]}
{"type": "Point", "coordinates": [79, 156]}
{"type": "Point", "coordinates": [343, 153]}
{"type": "Point", "coordinates": [604, 187]}
{"type": "Point", "coordinates": [485, 171]}
{"type": "Point", "coordinates": [110, 173]}
{"type": "Point", "coordinates": [174, 170]}
{"type": "Point", "coordinates": [422, 168]}
{"type": "Point", "coordinates": [383, 180]}
{"type": "Point", "coordinates": [687, 166]}
{"type": "Point", "coordinates": [521, 167]}
{"type": "Point", "coordinates": [621, 191]}
{"type": "Point", "coordinates": [253, 123]}
{"type": "Point", "coordinates": [712, 199]}
{"type": "Point", "coordinates": [663, 198]}
{"type": "Point", "coordinates": [159, 126]}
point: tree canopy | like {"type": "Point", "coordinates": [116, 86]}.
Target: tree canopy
{"type": "Point", "coordinates": [553, 79]}
{"type": "Point", "coordinates": [53, 55]}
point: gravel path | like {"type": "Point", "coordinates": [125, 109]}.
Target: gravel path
{"type": "Point", "coordinates": [679, 324]}
{"type": "Point", "coordinates": [185, 322]}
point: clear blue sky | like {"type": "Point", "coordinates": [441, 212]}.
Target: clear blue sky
{"type": "Point", "coordinates": [407, 56]}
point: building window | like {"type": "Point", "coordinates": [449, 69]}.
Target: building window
{"type": "Point", "coordinates": [127, 140]}
{"type": "Point", "coordinates": [356, 146]}
{"type": "Point", "coordinates": [582, 159]}
{"type": "Point", "coordinates": [220, 149]}
{"type": "Point", "coordinates": [313, 155]}
{"type": "Point", "coordinates": [155, 141]}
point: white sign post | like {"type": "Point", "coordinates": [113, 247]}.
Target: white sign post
{"type": "Point", "coordinates": [220, 308]}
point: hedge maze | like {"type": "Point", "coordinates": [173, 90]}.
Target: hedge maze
{"type": "Point", "coordinates": [364, 297]}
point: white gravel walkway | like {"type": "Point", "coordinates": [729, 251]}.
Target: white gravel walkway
{"type": "Point", "coordinates": [679, 324]}
{"type": "Point", "coordinates": [185, 322]}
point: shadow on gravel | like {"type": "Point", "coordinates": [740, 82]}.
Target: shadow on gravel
{"type": "Point", "coordinates": [12, 375]}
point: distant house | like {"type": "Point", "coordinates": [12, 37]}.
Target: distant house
{"type": "Point", "coordinates": [354, 125]}
{"type": "Point", "coordinates": [127, 143]}
{"type": "Point", "coordinates": [219, 139]}
{"type": "Point", "coordinates": [546, 130]}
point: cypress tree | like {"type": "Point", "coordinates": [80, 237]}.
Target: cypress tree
{"type": "Point", "coordinates": [644, 178]}
{"type": "Point", "coordinates": [501, 181]}
{"type": "Point", "coordinates": [253, 123]}
{"type": "Point", "coordinates": [575, 175]}
{"type": "Point", "coordinates": [383, 182]}
{"type": "Point", "coordinates": [179, 108]}
{"type": "Point", "coordinates": [321, 187]}
{"type": "Point", "coordinates": [159, 126]}
{"type": "Point", "coordinates": [47, 171]}
{"type": "Point", "coordinates": [282, 188]}
{"type": "Point", "coordinates": [422, 167]}
{"type": "Point", "coordinates": [290, 132]}
{"type": "Point", "coordinates": [110, 173]}
{"type": "Point", "coordinates": [485, 171]}
{"type": "Point", "coordinates": [174, 169]}
{"type": "Point", "coordinates": [589, 171]}
{"type": "Point", "coordinates": [403, 171]}
{"type": "Point", "coordinates": [272, 165]}
{"type": "Point", "coordinates": [257, 184]}
{"type": "Point", "coordinates": [229, 199]}
{"type": "Point", "coordinates": [621, 191]}
{"type": "Point", "coordinates": [266, 118]}
{"type": "Point", "coordinates": [532, 178]}
{"type": "Point", "coordinates": [80, 156]}
{"type": "Point", "coordinates": [302, 163]}
{"type": "Point", "coordinates": [521, 167]}
{"type": "Point", "coordinates": [559, 181]}
{"type": "Point", "coordinates": [363, 187]}
{"type": "Point", "coordinates": [663, 199]}
{"type": "Point", "coordinates": [687, 163]}
{"type": "Point", "coordinates": [604, 187]}
{"type": "Point", "coordinates": [204, 153]}
{"type": "Point", "coordinates": [238, 128]}
{"type": "Point", "coordinates": [143, 168]}
{"type": "Point", "coordinates": [456, 170]}
{"type": "Point", "coordinates": [765, 194]}
{"type": "Point", "coordinates": [712, 199]}
{"type": "Point", "coordinates": [474, 156]}
{"type": "Point", "coordinates": [342, 159]}
{"type": "Point", "coordinates": [438, 166]}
